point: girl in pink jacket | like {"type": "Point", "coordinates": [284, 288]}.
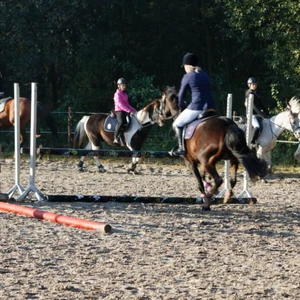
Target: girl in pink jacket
{"type": "Point", "coordinates": [122, 107]}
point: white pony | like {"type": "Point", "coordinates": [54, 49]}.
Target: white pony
{"type": "Point", "coordinates": [273, 128]}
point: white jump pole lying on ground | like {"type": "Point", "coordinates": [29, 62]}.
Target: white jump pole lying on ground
{"type": "Point", "coordinates": [227, 162]}
{"type": "Point", "coordinates": [249, 113]}
{"type": "Point", "coordinates": [31, 187]}
{"type": "Point", "coordinates": [17, 186]}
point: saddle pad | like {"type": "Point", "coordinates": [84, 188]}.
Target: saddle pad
{"type": "Point", "coordinates": [2, 103]}
{"type": "Point", "coordinates": [110, 123]}
{"type": "Point", "coordinates": [190, 128]}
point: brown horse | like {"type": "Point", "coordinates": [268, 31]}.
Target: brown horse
{"type": "Point", "coordinates": [95, 127]}
{"type": "Point", "coordinates": [7, 116]}
{"type": "Point", "coordinates": [215, 139]}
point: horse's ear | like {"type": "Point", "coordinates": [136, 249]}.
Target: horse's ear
{"type": "Point", "coordinates": [162, 89]}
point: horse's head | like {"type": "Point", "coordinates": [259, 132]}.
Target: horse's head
{"type": "Point", "coordinates": [161, 109]}
{"type": "Point", "coordinates": [293, 107]}
{"type": "Point", "coordinates": [153, 113]}
{"type": "Point", "coordinates": [169, 104]}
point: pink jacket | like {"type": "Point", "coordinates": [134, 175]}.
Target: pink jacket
{"type": "Point", "coordinates": [121, 102]}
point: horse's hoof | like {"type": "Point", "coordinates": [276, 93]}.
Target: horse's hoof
{"type": "Point", "coordinates": [135, 172]}
{"type": "Point", "coordinates": [206, 208]}
{"type": "Point", "coordinates": [101, 170]}
{"type": "Point", "coordinates": [80, 170]}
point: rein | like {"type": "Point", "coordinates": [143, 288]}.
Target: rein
{"type": "Point", "coordinates": [281, 127]}
{"type": "Point", "coordinates": [273, 134]}
{"type": "Point", "coordinates": [161, 110]}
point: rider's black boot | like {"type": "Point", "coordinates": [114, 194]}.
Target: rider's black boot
{"type": "Point", "coordinates": [180, 151]}
{"type": "Point", "coordinates": [116, 135]}
{"type": "Point", "coordinates": [255, 135]}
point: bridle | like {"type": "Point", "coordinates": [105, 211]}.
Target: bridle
{"type": "Point", "coordinates": [293, 128]}
{"type": "Point", "coordinates": [162, 107]}
{"type": "Point", "coordinates": [158, 114]}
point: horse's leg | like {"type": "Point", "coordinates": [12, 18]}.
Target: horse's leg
{"type": "Point", "coordinates": [206, 197]}
{"type": "Point", "coordinates": [22, 136]}
{"type": "Point", "coordinates": [100, 167]}
{"type": "Point", "coordinates": [217, 179]}
{"type": "Point", "coordinates": [134, 162]}
{"type": "Point", "coordinates": [268, 159]}
{"type": "Point", "coordinates": [82, 158]}
{"type": "Point", "coordinates": [266, 155]}
{"type": "Point", "coordinates": [80, 164]}
{"type": "Point", "coordinates": [206, 179]}
{"type": "Point", "coordinates": [232, 171]}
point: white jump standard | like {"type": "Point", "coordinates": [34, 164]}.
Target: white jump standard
{"type": "Point", "coordinates": [17, 187]}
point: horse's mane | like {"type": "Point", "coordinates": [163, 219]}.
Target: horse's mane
{"type": "Point", "coordinates": [171, 93]}
{"type": "Point", "coordinates": [170, 90]}
{"type": "Point", "coordinates": [295, 104]}
{"type": "Point", "coordinates": [150, 104]}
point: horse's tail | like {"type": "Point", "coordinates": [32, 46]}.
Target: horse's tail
{"type": "Point", "coordinates": [45, 115]}
{"type": "Point", "coordinates": [236, 142]}
{"type": "Point", "coordinates": [79, 133]}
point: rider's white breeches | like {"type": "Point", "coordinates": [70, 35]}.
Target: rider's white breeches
{"type": "Point", "coordinates": [186, 116]}
{"type": "Point", "coordinates": [255, 123]}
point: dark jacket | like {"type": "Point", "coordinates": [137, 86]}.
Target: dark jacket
{"type": "Point", "coordinates": [199, 85]}
{"type": "Point", "coordinates": [258, 107]}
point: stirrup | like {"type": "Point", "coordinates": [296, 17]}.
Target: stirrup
{"type": "Point", "coordinates": [116, 142]}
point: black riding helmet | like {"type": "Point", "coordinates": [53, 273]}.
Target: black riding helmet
{"type": "Point", "coordinates": [251, 80]}
{"type": "Point", "coordinates": [121, 81]}
{"type": "Point", "coordinates": [190, 59]}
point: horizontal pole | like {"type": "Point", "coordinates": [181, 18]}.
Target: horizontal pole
{"type": "Point", "coordinates": [145, 199]}
{"type": "Point", "coordinates": [60, 219]}
{"type": "Point", "coordinates": [85, 152]}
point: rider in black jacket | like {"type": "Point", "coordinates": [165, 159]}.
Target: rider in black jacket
{"type": "Point", "coordinates": [258, 107]}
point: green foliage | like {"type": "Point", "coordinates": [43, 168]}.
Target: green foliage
{"type": "Point", "coordinates": [141, 91]}
{"type": "Point", "coordinates": [283, 154]}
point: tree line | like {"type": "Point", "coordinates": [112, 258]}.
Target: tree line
{"type": "Point", "coordinates": [77, 49]}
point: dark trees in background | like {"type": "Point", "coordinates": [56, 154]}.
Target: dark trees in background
{"type": "Point", "coordinates": [76, 49]}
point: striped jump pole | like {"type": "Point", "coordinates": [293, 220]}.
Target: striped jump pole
{"type": "Point", "coordinates": [227, 162]}
{"type": "Point", "coordinates": [60, 219]}
{"type": "Point", "coordinates": [245, 192]}
{"type": "Point", "coordinates": [31, 187]}
{"type": "Point", "coordinates": [142, 199]}
{"type": "Point", "coordinates": [17, 187]}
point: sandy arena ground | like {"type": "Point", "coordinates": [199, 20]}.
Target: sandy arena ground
{"type": "Point", "coordinates": [155, 251]}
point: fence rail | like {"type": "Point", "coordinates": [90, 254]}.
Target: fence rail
{"type": "Point", "coordinates": [67, 121]}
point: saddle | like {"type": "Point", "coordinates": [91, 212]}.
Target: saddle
{"type": "Point", "coordinates": [189, 129]}
{"type": "Point", "coordinates": [111, 121]}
